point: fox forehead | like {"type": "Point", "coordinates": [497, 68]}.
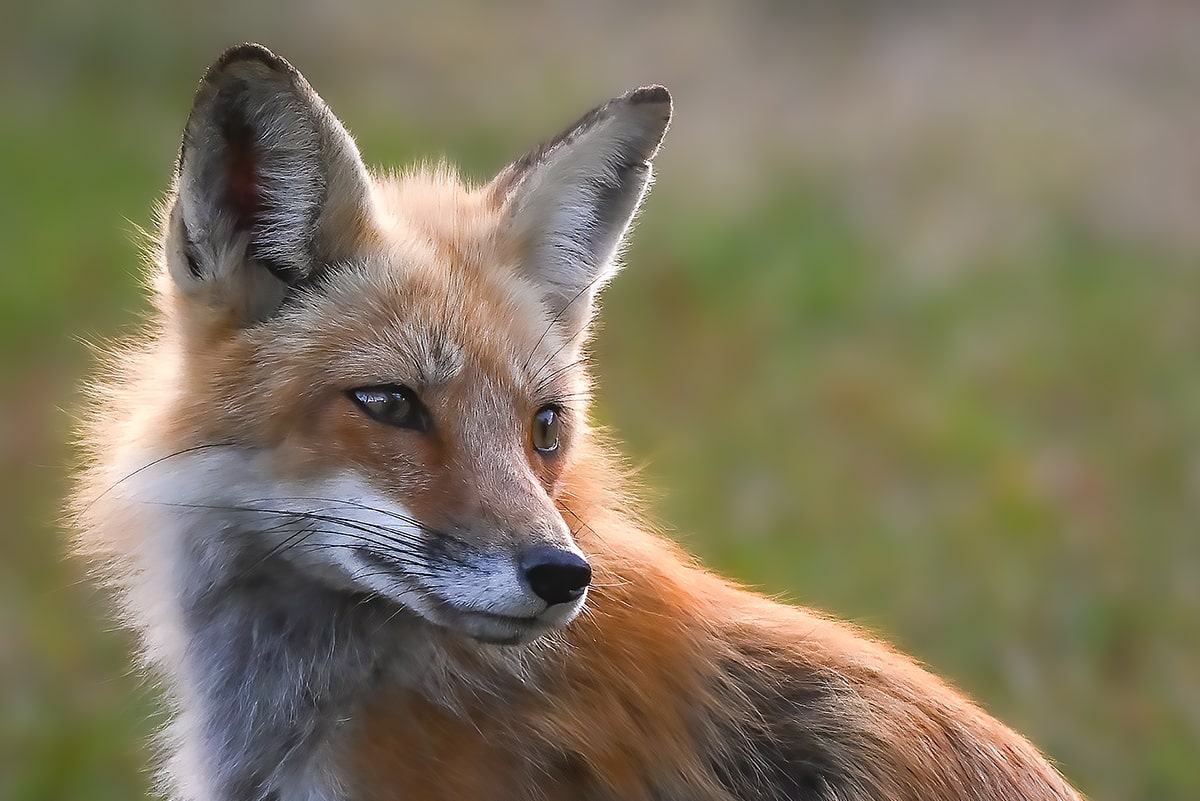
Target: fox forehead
{"type": "Point", "coordinates": [431, 292]}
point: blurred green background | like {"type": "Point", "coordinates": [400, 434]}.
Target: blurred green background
{"type": "Point", "coordinates": [909, 331]}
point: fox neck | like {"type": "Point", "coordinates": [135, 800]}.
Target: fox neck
{"type": "Point", "coordinates": [272, 666]}
{"type": "Point", "coordinates": [272, 669]}
{"type": "Point", "coordinates": [268, 667]}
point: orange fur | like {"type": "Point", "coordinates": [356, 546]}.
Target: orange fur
{"type": "Point", "coordinates": [670, 684]}
{"type": "Point", "coordinates": [637, 702]}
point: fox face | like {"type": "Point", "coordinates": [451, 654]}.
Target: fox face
{"type": "Point", "coordinates": [380, 382]}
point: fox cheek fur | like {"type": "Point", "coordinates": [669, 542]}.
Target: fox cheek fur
{"type": "Point", "coordinates": [346, 490]}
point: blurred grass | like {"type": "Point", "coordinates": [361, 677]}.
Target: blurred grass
{"type": "Point", "coordinates": [997, 466]}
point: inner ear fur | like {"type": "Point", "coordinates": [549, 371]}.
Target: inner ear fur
{"type": "Point", "coordinates": [270, 189]}
{"type": "Point", "coordinates": [569, 202]}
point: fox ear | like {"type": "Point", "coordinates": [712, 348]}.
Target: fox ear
{"type": "Point", "coordinates": [569, 202]}
{"type": "Point", "coordinates": [270, 188]}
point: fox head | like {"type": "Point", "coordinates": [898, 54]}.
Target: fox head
{"type": "Point", "coordinates": [378, 381]}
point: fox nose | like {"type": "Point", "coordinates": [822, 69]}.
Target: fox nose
{"type": "Point", "coordinates": [555, 575]}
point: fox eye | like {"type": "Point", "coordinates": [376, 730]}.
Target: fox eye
{"type": "Point", "coordinates": [394, 405]}
{"type": "Point", "coordinates": [545, 429]}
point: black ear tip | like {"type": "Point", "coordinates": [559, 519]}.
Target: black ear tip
{"type": "Point", "coordinates": [226, 81]}
{"type": "Point", "coordinates": [649, 94]}
{"type": "Point", "coordinates": [249, 52]}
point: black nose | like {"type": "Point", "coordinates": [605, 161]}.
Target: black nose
{"type": "Point", "coordinates": [555, 575]}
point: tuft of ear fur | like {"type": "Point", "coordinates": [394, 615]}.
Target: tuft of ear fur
{"type": "Point", "coordinates": [569, 202]}
{"type": "Point", "coordinates": [270, 188]}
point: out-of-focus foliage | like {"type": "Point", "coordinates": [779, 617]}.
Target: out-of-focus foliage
{"type": "Point", "coordinates": [909, 331]}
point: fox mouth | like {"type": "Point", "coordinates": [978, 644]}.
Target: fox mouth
{"type": "Point", "coordinates": [489, 627]}
{"type": "Point", "coordinates": [482, 625]}
{"type": "Point", "coordinates": [486, 627]}
{"type": "Point", "coordinates": [496, 628]}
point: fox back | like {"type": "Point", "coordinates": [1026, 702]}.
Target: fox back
{"type": "Point", "coordinates": [346, 489]}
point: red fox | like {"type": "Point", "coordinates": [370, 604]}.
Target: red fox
{"type": "Point", "coordinates": [347, 491]}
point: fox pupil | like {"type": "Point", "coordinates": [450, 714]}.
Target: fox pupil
{"type": "Point", "coordinates": [545, 429]}
{"type": "Point", "coordinates": [393, 405]}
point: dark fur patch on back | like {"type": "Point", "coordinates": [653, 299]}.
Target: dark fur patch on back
{"type": "Point", "coordinates": [789, 750]}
